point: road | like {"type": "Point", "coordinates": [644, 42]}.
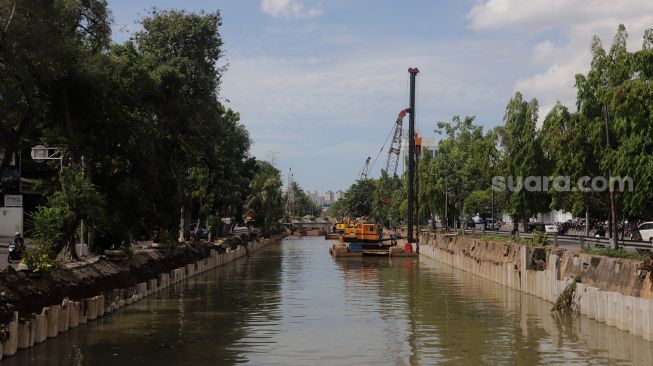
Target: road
{"type": "Point", "coordinates": [4, 243]}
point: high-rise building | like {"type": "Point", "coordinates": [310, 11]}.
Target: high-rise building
{"type": "Point", "coordinates": [328, 196]}
{"type": "Point", "coordinates": [339, 195]}
{"type": "Point", "coordinates": [315, 197]}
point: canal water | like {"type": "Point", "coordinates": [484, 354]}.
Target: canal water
{"type": "Point", "coordinates": [293, 304]}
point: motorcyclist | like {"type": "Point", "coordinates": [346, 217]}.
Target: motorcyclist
{"type": "Point", "coordinates": [19, 241]}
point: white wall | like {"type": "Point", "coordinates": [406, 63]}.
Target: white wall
{"type": "Point", "coordinates": [11, 220]}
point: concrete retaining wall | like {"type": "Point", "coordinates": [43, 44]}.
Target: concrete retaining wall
{"type": "Point", "coordinates": [58, 318]}
{"type": "Point", "coordinates": [613, 291]}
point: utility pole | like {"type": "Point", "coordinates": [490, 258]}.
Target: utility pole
{"type": "Point", "coordinates": [411, 153]}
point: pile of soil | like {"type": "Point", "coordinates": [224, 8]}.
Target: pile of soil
{"type": "Point", "coordinates": [28, 293]}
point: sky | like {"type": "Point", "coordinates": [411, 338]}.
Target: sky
{"type": "Point", "coordinates": [319, 83]}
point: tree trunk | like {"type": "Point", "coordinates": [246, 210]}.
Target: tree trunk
{"type": "Point", "coordinates": [69, 252]}
{"type": "Point", "coordinates": [587, 220]}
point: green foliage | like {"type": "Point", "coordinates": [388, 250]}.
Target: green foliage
{"type": "Point", "coordinates": [523, 156]}
{"type": "Point", "coordinates": [39, 258]}
{"type": "Point", "coordinates": [387, 197]}
{"type": "Point", "coordinates": [565, 302]}
{"type": "Point", "coordinates": [303, 205]}
{"type": "Point", "coordinates": [358, 199]}
{"type": "Point", "coordinates": [465, 163]}
{"type": "Point", "coordinates": [56, 224]}
{"type": "Point", "coordinates": [540, 238]}
{"type": "Point", "coordinates": [266, 197]}
{"type": "Point", "coordinates": [616, 253]}
{"type": "Point", "coordinates": [159, 148]}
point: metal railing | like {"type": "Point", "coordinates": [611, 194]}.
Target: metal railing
{"type": "Point", "coordinates": [583, 241]}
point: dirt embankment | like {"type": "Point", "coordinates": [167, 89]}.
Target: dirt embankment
{"type": "Point", "coordinates": [28, 293]}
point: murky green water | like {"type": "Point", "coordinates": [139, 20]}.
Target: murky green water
{"type": "Point", "coordinates": [292, 304]}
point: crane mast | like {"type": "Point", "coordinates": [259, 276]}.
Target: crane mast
{"type": "Point", "coordinates": [290, 197]}
{"type": "Point", "coordinates": [366, 169]}
{"type": "Point", "coordinates": [392, 163]}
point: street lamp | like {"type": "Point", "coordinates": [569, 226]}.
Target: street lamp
{"type": "Point", "coordinates": [41, 153]}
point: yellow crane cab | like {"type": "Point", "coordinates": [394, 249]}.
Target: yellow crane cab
{"type": "Point", "coordinates": [368, 233]}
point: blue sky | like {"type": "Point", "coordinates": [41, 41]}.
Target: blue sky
{"type": "Point", "coordinates": [319, 83]}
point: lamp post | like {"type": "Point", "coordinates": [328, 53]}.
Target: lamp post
{"type": "Point", "coordinates": [42, 153]}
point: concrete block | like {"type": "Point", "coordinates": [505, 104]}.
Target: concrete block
{"type": "Point", "coordinates": [141, 288]}
{"type": "Point", "coordinates": [83, 311]}
{"type": "Point", "coordinates": [74, 307]}
{"type": "Point", "coordinates": [91, 310]}
{"type": "Point", "coordinates": [40, 328]}
{"type": "Point", "coordinates": [613, 309]}
{"type": "Point", "coordinates": [100, 306]}
{"type": "Point", "coordinates": [164, 279]}
{"type": "Point", "coordinates": [64, 317]}
{"type": "Point", "coordinates": [52, 316]}
{"type": "Point", "coordinates": [523, 263]}
{"type": "Point", "coordinates": [601, 305]}
{"type": "Point", "coordinates": [591, 294]}
{"type": "Point", "coordinates": [626, 313]}
{"type": "Point", "coordinates": [10, 346]}
{"type": "Point", "coordinates": [152, 286]}
{"type": "Point", "coordinates": [637, 323]}
{"type": "Point", "coordinates": [647, 319]}
{"type": "Point", "coordinates": [32, 332]}
{"type": "Point", "coordinates": [24, 334]}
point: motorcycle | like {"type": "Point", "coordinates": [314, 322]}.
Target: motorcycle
{"type": "Point", "coordinates": [15, 253]}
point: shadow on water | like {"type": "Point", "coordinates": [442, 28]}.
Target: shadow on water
{"type": "Point", "coordinates": [293, 304]}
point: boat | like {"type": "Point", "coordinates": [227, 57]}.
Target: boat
{"type": "Point", "coordinates": [365, 239]}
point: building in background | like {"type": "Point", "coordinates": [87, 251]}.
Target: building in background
{"type": "Point", "coordinates": [315, 197]}
{"type": "Point", "coordinates": [328, 197]}
{"type": "Point", "coordinates": [339, 195]}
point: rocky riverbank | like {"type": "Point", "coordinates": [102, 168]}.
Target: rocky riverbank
{"type": "Point", "coordinates": [34, 307]}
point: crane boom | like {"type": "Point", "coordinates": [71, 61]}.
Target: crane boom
{"type": "Point", "coordinates": [395, 148]}
{"type": "Point", "coordinates": [366, 168]}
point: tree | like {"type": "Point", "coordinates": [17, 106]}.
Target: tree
{"type": "Point", "coordinates": [387, 198]}
{"type": "Point", "coordinates": [523, 157]}
{"type": "Point", "coordinates": [463, 165]}
{"type": "Point", "coordinates": [570, 150]}
{"type": "Point", "coordinates": [613, 100]}
{"type": "Point", "coordinates": [358, 199]}
{"type": "Point", "coordinates": [56, 224]}
{"type": "Point", "coordinates": [266, 197]}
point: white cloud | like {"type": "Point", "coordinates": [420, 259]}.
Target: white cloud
{"type": "Point", "coordinates": [339, 107]}
{"type": "Point", "coordinates": [288, 9]}
{"type": "Point", "coordinates": [571, 24]}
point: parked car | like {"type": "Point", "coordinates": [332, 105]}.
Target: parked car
{"type": "Point", "coordinates": [551, 229]}
{"type": "Point", "coordinates": [535, 226]}
{"type": "Point", "coordinates": [646, 231]}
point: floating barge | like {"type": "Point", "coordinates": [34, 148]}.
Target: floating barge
{"type": "Point", "coordinates": [366, 240]}
{"type": "Point", "coordinates": [331, 236]}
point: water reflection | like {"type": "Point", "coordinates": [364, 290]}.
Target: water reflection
{"type": "Point", "coordinates": [295, 305]}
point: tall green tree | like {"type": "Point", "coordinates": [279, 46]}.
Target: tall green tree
{"type": "Point", "coordinates": [523, 157]}
{"type": "Point", "coordinates": [266, 197]}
